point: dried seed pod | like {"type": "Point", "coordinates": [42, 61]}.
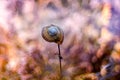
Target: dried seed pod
{"type": "Point", "coordinates": [53, 33]}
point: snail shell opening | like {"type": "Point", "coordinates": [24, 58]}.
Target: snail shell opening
{"type": "Point", "coordinates": [53, 33]}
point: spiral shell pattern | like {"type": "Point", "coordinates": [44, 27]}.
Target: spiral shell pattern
{"type": "Point", "coordinates": [53, 33]}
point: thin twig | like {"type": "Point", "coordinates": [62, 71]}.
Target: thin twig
{"type": "Point", "coordinates": [60, 58]}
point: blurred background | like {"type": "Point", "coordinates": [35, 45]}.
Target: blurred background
{"type": "Point", "coordinates": [91, 38]}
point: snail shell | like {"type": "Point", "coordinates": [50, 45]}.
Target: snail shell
{"type": "Point", "coordinates": [53, 33]}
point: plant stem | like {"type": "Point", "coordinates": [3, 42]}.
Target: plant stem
{"type": "Point", "coordinates": [60, 58]}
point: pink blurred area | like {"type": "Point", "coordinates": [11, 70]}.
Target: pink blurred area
{"type": "Point", "coordinates": [91, 36]}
